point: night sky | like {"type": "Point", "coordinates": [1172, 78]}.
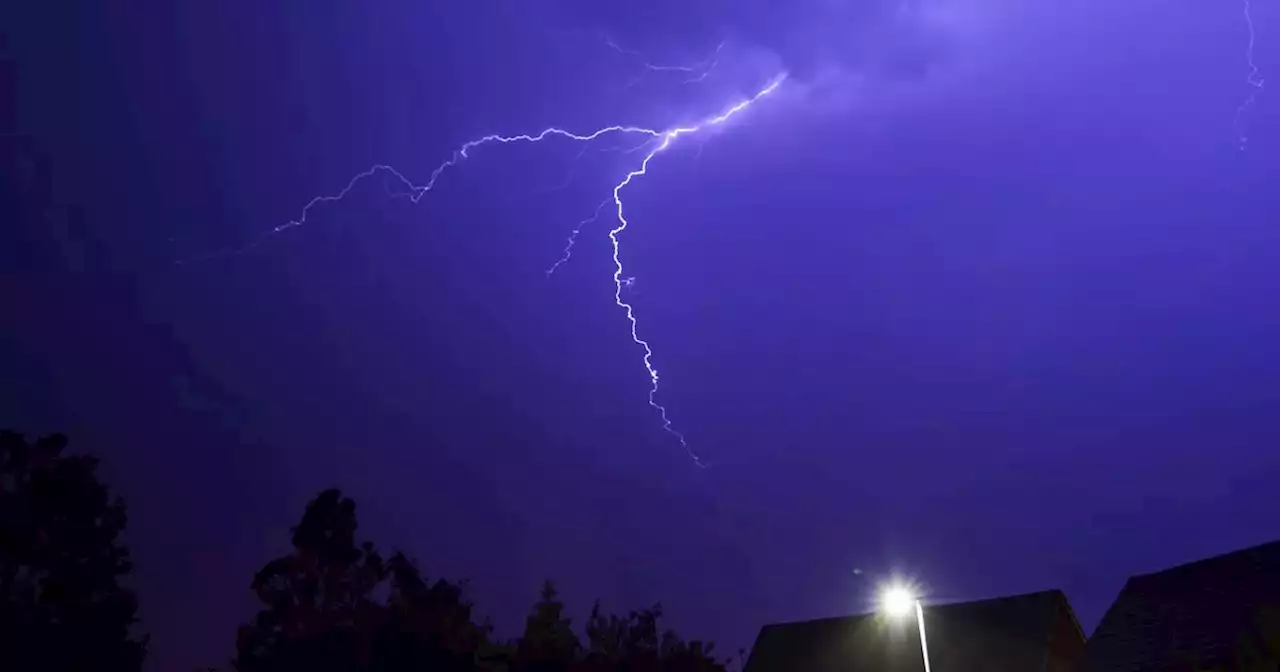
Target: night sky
{"type": "Point", "coordinates": [984, 294]}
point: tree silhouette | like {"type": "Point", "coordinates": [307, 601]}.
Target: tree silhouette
{"type": "Point", "coordinates": [332, 604]}
{"type": "Point", "coordinates": [336, 605]}
{"type": "Point", "coordinates": [636, 644]}
{"type": "Point", "coordinates": [318, 605]}
{"type": "Point", "coordinates": [548, 643]}
{"type": "Point", "coordinates": [429, 625]}
{"type": "Point", "coordinates": [61, 604]}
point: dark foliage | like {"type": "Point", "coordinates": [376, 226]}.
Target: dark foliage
{"type": "Point", "coordinates": [335, 604]}
{"type": "Point", "coordinates": [637, 644]}
{"type": "Point", "coordinates": [61, 604]}
{"type": "Point", "coordinates": [548, 642]}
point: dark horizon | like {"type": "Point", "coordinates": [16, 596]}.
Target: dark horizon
{"type": "Point", "coordinates": [983, 296]}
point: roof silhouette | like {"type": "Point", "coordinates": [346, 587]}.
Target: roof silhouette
{"type": "Point", "coordinates": [1190, 614]}
{"type": "Point", "coordinates": [1006, 633]}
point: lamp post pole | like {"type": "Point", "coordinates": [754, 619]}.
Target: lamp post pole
{"type": "Point", "coordinates": [924, 644]}
{"type": "Point", "coordinates": [899, 601]}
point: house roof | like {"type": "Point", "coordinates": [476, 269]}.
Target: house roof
{"type": "Point", "coordinates": [1006, 633]}
{"type": "Point", "coordinates": [1190, 614]}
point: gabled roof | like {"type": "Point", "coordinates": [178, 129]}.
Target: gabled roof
{"type": "Point", "coordinates": [1190, 614]}
{"type": "Point", "coordinates": [1008, 634]}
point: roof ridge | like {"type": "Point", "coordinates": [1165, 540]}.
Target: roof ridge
{"type": "Point", "coordinates": [1071, 614]}
{"type": "Point", "coordinates": [1014, 596]}
{"type": "Point", "coordinates": [1056, 592]}
{"type": "Point", "coordinates": [1208, 560]}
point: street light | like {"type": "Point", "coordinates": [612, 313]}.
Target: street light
{"type": "Point", "coordinates": [898, 601]}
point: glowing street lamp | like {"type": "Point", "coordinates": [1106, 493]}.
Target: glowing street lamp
{"type": "Point", "coordinates": [898, 601]}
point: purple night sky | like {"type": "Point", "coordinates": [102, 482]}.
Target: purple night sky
{"type": "Point", "coordinates": [983, 294]}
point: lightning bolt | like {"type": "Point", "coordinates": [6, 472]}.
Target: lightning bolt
{"type": "Point", "coordinates": [658, 142]}
{"type": "Point", "coordinates": [1253, 79]}
{"type": "Point", "coordinates": [573, 237]}
{"type": "Point", "coordinates": [415, 192]}
{"type": "Point", "coordinates": [668, 137]}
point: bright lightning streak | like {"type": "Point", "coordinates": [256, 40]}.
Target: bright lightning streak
{"type": "Point", "coordinates": [658, 140]}
{"type": "Point", "coordinates": [573, 235]}
{"type": "Point", "coordinates": [1253, 79]}
{"type": "Point", "coordinates": [415, 192]}
{"type": "Point", "coordinates": [667, 138]}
